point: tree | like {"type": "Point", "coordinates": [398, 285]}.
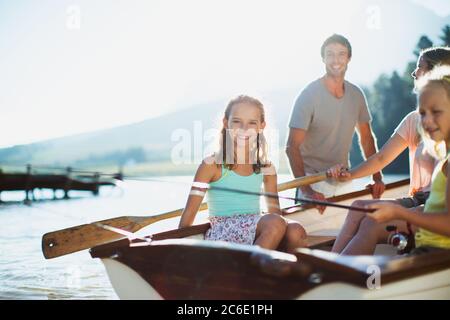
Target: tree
{"type": "Point", "coordinates": [390, 99]}
{"type": "Point", "coordinates": [424, 42]}
{"type": "Point", "coordinates": [445, 35]}
{"type": "Point", "coordinates": [410, 67]}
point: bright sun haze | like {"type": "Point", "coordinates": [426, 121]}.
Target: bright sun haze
{"type": "Point", "coordinates": [75, 66]}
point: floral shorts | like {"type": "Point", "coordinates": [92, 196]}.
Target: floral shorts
{"type": "Point", "coordinates": [238, 228]}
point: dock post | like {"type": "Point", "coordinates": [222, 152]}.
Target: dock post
{"type": "Point", "coordinates": [119, 175]}
{"type": "Point", "coordinates": [28, 184]}
{"type": "Point", "coordinates": [96, 183]}
{"type": "Point", "coordinates": [68, 183]}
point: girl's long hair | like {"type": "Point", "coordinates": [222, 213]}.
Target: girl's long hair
{"type": "Point", "coordinates": [436, 56]}
{"type": "Point", "coordinates": [258, 149]}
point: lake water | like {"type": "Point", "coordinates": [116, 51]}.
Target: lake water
{"type": "Point", "coordinates": [26, 274]}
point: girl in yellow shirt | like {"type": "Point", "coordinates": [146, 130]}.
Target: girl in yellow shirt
{"type": "Point", "coordinates": [434, 222]}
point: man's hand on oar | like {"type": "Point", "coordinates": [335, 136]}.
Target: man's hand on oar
{"type": "Point", "coordinates": [309, 193]}
{"type": "Point", "coordinates": [339, 172]}
{"type": "Point", "coordinates": [376, 189]}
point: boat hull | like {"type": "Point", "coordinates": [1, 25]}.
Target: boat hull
{"type": "Point", "coordinates": [187, 267]}
{"type": "Point", "coordinates": [201, 270]}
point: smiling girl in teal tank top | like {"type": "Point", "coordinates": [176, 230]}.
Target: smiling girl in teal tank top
{"type": "Point", "coordinates": [241, 164]}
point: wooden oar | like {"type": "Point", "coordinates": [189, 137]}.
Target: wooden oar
{"type": "Point", "coordinates": [62, 242]}
{"type": "Point", "coordinates": [302, 181]}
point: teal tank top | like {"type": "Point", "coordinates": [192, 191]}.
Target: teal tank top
{"type": "Point", "coordinates": [225, 203]}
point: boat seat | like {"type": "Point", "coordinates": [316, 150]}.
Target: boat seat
{"type": "Point", "coordinates": [197, 231]}
{"type": "Point", "coordinates": [325, 242]}
{"type": "Point", "coordinates": [315, 242]}
{"type": "Point", "coordinates": [360, 263]}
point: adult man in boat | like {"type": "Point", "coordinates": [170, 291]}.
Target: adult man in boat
{"type": "Point", "coordinates": [323, 121]}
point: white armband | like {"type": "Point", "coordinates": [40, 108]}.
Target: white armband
{"type": "Point", "coordinates": [197, 193]}
{"type": "Point", "coordinates": [200, 185]}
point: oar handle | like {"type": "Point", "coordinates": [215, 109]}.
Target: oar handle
{"type": "Point", "coordinates": [302, 181]}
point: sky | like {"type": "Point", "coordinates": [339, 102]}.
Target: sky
{"type": "Point", "coordinates": [440, 7]}
{"type": "Point", "coordinates": [68, 67]}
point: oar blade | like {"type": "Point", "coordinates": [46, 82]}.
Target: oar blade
{"type": "Point", "coordinates": [62, 242]}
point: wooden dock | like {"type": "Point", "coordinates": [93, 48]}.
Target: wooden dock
{"type": "Point", "coordinates": [69, 181]}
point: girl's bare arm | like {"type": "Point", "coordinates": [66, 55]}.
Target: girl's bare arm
{"type": "Point", "coordinates": [375, 163]}
{"type": "Point", "coordinates": [270, 185]}
{"type": "Point", "coordinates": [205, 174]}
